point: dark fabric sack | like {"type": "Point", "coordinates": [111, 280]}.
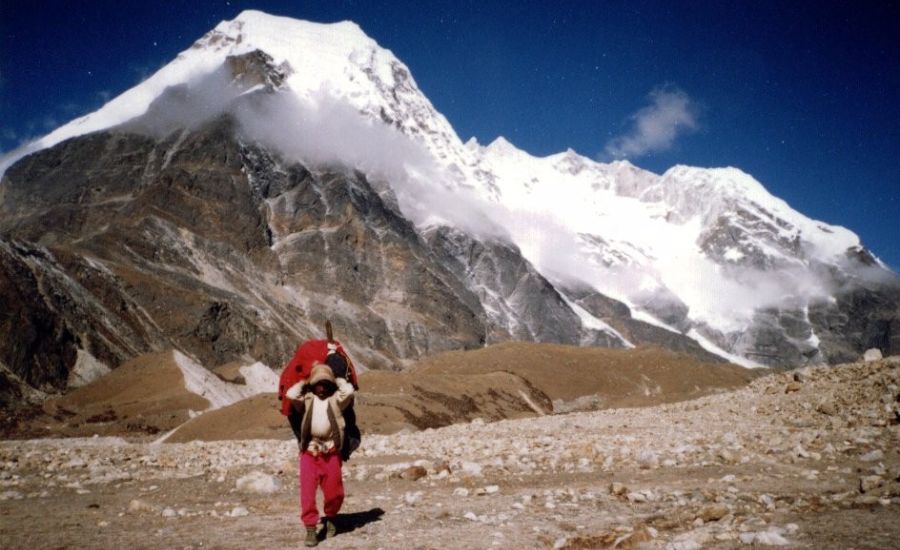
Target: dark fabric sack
{"type": "Point", "coordinates": [352, 434]}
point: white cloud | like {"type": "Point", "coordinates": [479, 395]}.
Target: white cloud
{"type": "Point", "coordinates": [323, 130]}
{"type": "Point", "coordinates": [670, 114]}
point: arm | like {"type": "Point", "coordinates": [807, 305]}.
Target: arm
{"type": "Point", "coordinates": [295, 392]}
{"type": "Point", "coordinates": [344, 393]}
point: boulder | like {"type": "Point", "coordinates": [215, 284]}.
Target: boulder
{"type": "Point", "coordinates": [713, 512]}
{"type": "Point", "coordinates": [872, 354]}
{"type": "Point", "coordinates": [259, 483]}
{"type": "Point", "coordinates": [413, 473]}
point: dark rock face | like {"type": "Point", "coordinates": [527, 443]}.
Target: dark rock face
{"type": "Point", "coordinates": [860, 315]}
{"type": "Point", "coordinates": [57, 303]}
{"type": "Point", "coordinates": [779, 338]}
{"type": "Point", "coordinates": [743, 232]}
{"type": "Point", "coordinates": [618, 315]}
{"type": "Point", "coordinates": [667, 307]}
{"type": "Point", "coordinates": [37, 344]}
{"type": "Point", "coordinates": [858, 319]}
{"type": "Point", "coordinates": [256, 68]}
{"type": "Point", "coordinates": [117, 244]}
{"type": "Point", "coordinates": [520, 303]}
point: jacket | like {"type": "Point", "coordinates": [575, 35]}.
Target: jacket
{"type": "Point", "coordinates": [301, 414]}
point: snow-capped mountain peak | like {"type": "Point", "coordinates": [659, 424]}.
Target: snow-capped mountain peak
{"type": "Point", "coordinates": [697, 250]}
{"type": "Point", "coordinates": [336, 59]}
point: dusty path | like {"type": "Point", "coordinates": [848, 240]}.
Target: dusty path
{"type": "Point", "coordinates": [816, 467]}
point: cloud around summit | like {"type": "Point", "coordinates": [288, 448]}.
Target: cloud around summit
{"type": "Point", "coordinates": [655, 127]}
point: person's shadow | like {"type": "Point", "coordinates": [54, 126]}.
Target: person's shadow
{"type": "Point", "coordinates": [347, 523]}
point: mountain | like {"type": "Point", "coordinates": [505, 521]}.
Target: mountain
{"type": "Point", "coordinates": [280, 172]}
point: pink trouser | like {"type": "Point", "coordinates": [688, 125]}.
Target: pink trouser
{"type": "Point", "coordinates": [324, 470]}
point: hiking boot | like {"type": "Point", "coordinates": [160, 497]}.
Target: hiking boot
{"type": "Point", "coordinates": [330, 528]}
{"type": "Point", "coordinates": [312, 538]}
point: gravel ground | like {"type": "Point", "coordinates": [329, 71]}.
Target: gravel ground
{"type": "Point", "coordinates": [805, 459]}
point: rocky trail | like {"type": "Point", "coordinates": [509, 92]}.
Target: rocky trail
{"type": "Point", "coordinates": [806, 459]}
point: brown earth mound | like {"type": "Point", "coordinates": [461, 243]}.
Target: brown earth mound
{"type": "Point", "coordinates": [511, 380]}
{"type": "Point", "coordinates": [256, 417]}
{"type": "Point", "coordinates": [576, 377]}
{"type": "Point", "coordinates": [389, 402]}
{"type": "Point", "coordinates": [146, 394]}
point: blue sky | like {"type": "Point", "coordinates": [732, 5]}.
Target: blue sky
{"type": "Point", "coordinates": [805, 96]}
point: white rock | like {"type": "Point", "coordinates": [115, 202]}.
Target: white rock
{"type": "Point", "coordinates": [169, 513]}
{"type": "Point", "coordinates": [259, 483]}
{"type": "Point", "coordinates": [648, 459]}
{"type": "Point", "coordinates": [764, 538]}
{"type": "Point", "coordinates": [412, 498]}
{"type": "Point", "coordinates": [867, 483]}
{"type": "Point", "coordinates": [239, 512]}
{"type": "Point", "coordinates": [460, 492]}
{"type": "Point", "coordinates": [491, 489]}
{"type": "Point", "coordinates": [470, 516]}
{"type": "Point", "coordinates": [872, 354]}
{"type": "Point", "coordinates": [76, 463]}
{"type": "Point", "coordinates": [137, 505]}
{"type": "Point", "coordinates": [688, 544]}
{"type": "Point", "coordinates": [636, 497]}
{"type": "Point", "coordinates": [872, 456]}
{"type": "Point", "coordinates": [770, 538]}
{"type": "Point", "coordinates": [471, 468]}
{"type": "Point", "coordinates": [767, 500]}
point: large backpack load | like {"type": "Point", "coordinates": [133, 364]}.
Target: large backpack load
{"type": "Point", "coordinates": [329, 352]}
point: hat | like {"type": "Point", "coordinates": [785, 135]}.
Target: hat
{"type": "Point", "coordinates": [321, 373]}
